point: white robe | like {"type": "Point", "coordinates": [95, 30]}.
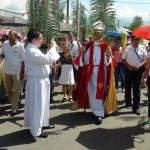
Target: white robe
{"type": "Point", "coordinates": [96, 105]}
{"type": "Point", "coordinates": [37, 96]}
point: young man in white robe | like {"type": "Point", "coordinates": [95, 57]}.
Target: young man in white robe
{"type": "Point", "coordinates": [37, 96]}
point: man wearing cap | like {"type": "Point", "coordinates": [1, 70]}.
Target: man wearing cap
{"type": "Point", "coordinates": [96, 59]}
{"type": "Point", "coordinates": [134, 58]}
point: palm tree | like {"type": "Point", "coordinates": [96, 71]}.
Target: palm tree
{"type": "Point", "coordinates": [103, 10]}
{"type": "Point", "coordinates": [137, 21]}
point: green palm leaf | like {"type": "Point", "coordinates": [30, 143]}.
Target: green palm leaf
{"type": "Point", "coordinates": [103, 10]}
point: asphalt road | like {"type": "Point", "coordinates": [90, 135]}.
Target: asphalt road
{"type": "Point", "coordinates": [76, 130]}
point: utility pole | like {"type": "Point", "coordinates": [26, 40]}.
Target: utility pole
{"type": "Point", "coordinates": [33, 8]}
{"type": "Point", "coordinates": [67, 19]}
{"type": "Point", "coordinates": [118, 21]}
{"type": "Point", "coordinates": [78, 17]}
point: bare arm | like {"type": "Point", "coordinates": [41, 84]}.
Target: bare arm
{"type": "Point", "coordinates": [127, 65]}
{"type": "Point", "coordinates": [131, 67]}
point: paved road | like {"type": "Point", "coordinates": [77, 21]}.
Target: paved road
{"type": "Point", "coordinates": [76, 130]}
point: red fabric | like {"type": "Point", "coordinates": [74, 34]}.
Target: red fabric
{"type": "Point", "coordinates": [117, 53]}
{"type": "Point", "coordinates": [116, 49]}
{"type": "Point", "coordinates": [4, 31]}
{"type": "Point", "coordinates": [89, 44]}
{"type": "Point", "coordinates": [101, 75]}
{"type": "Point", "coordinates": [83, 93]}
{"type": "Point", "coordinates": [85, 75]}
{"type": "Point", "coordinates": [115, 63]}
{"type": "Point", "coordinates": [76, 92]}
{"type": "Point", "coordinates": [77, 60]}
{"type": "Point", "coordinates": [142, 31]}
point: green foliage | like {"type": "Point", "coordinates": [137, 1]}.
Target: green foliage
{"type": "Point", "coordinates": [137, 21]}
{"type": "Point", "coordinates": [74, 14]}
{"type": "Point", "coordinates": [103, 10]}
{"type": "Point", "coordinates": [61, 15]}
{"type": "Point", "coordinates": [44, 15]}
{"type": "Point", "coordinates": [83, 20]}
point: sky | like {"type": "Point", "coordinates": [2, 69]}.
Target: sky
{"type": "Point", "coordinates": [125, 9]}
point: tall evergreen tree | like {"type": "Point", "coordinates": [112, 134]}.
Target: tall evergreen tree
{"type": "Point", "coordinates": [44, 16]}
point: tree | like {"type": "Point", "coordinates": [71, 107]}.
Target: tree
{"type": "Point", "coordinates": [137, 21]}
{"type": "Point", "coordinates": [43, 15]}
{"type": "Point", "coordinates": [61, 7]}
{"type": "Point", "coordinates": [83, 22]}
{"type": "Point", "coordinates": [83, 19]}
{"type": "Point", "coordinates": [103, 10]}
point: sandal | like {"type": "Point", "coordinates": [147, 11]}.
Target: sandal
{"type": "Point", "coordinates": [64, 98]}
{"type": "Point", "coordinates": [70, 99]}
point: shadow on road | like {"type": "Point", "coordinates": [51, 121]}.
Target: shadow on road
{"type": "Point", "coordinates": [12, 120]}
{"type": "Point", "coordinates": [114, 139]}
{"type": "Point", "coordinates": [16, 138]}
{"type": "Point", "coordinates": [4, 109]}
{"type": "Point", "coordinates": [60, 105]}
{"type": "Point", "coordinates": [74, 119]}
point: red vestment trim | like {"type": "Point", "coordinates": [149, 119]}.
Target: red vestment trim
{"type": "Point", "coordinates": [101, 72]}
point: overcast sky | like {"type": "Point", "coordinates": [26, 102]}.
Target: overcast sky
{"type": "Point", "coordinates": [126, 9]}
{"type": "Point", "coordinates": [18, 6]}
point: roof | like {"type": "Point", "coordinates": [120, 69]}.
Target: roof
{"type": "Point", "coordinates": [66, 27]}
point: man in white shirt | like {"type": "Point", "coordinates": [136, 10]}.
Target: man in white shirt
{"type": "Point", "coordinates": [13, 54]}
{"type": "Point", "coordinates": [37, 97]}
{"type": "Point", "coordinates": [73, 44]}
{"type": "Point", "coordinates": [134, 58]}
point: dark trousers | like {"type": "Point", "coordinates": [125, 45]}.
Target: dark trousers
{"type": "Point", "coordinates": [119, 70]}
{"type": "Point", "coordinates": [2, 92]}
{"type": "Point", "coordinates": [51, 77]}
{"type": "Point", "coordinates": [133, 78]}
{"type": "Point", "coordinates": [149, 96]}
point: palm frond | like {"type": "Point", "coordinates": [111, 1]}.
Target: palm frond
{"type": "Point", "coordinates": [103, 10]}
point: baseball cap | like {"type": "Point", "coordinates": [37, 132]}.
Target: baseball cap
{"type": "Point", "coordinates": [136, 37]}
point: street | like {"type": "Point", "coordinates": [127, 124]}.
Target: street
{"type": "Point", "coordinates": [76, 130]}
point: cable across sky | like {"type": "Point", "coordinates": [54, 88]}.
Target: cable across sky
{"type": "Point", "coordinates": [132, 2]}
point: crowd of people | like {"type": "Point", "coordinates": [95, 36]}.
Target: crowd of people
{"type": "Point", "coordinates": [89, 73]}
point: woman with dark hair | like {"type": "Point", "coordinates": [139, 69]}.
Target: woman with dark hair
{"type": "Point", "coordinates": [66, 78]}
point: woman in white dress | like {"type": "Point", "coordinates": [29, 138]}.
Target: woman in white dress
{"type": "Point", "coordinates": [67, 75]}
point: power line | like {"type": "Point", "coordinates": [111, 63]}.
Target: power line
{"type": "Point", "coordinates": [86, 9]}
{"type": "Point", "coordinates": [132, 2]}
{"type": "Point", "coordinates": [12, 12]}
